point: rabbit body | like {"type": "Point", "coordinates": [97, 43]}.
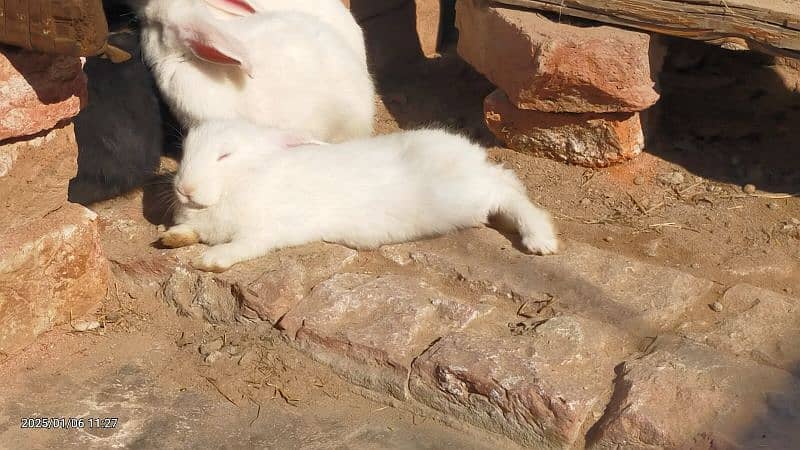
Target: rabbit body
{"type": "Point", "coordinates": [119, 132]}
{"type": "Point", "coordinates": [248, 193]}
{"type": "Point", "coordinates": [283, 69]}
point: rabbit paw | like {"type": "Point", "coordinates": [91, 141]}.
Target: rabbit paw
{"type": "Point", "coordinates": [216, 259]}
{"type": "Point", "coordinates": [179, 236]}
{"type": "Point", "coordinates": [541, 243]}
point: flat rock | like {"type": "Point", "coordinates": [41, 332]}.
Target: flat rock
{"type": "Point", "coordinates": [557, 67]}
{"type": "Point", "coordinates": [589, 139]}
{"type": "Point", "coordinates": [759, 324]}
{"type": "Point", "coordinates": [263, 289]}
{"type": "Point", "coordinates": [370, 328]}
{"type": "Point", "coordinates": [687, 395]}
{"type": "Point", "coordinates": [639, 297]}
{"type": "Point", "coordinates": [542, 389]}
{"type": "Point", "coordinates": [52, 270]}
{"type": "Point", "coordinates": [38, 91]}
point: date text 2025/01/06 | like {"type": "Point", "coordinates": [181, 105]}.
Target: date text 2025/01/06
{"type": "Point", "coordinates": [68, 422]}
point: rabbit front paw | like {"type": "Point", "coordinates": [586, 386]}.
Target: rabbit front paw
{"type": "Point", "coordinates": [210, 261]}
{"type": "Point", "coordinates": [179, 236]}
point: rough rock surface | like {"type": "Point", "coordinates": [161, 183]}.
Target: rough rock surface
{"type": "Point", "coordinates": [759, 324]}
{"type": "Point", "coordinates": [542, 389]}
{"type": "Point", "coordinates": [38, 91]}
{"type": "Point", "coordinates": [51, 264]}
{"type": "Point", "coordinates": [638, 297]}
{"type": "Point", "coordinates": [51, 271]}
{"type": "Point", "coordinates": [556, 67]}
{"type": "Point", "coordinates": [589, 139]}
{"type": "Point", "coordinates": [686, 395]}
{"type": "Point", "coordinates": [369, 329]}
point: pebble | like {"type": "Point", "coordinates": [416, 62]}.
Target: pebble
{"type": "Point", "coordinates": [773, 205]}
{"type": "Point", "coordinates": [673, 178]}
{"type": "Point", "coordinates": [586, 201]}
{"type": "Point", "coordinates": [717, 306]}
{"type": "Point", "coordinates": [211, 347]}
{"type": "Point", "coordinates": [639, 180]}
{"type": "Point", "coordinates": [212, 357]}
{"type": "Point", "coordinates": [749, 189]}
{"type": "Point", "coordinates": [795, 221]}
{"type": "Point", "coordinates": [695, 266]}
{"type": "Point", "coordinates": [161, 228]}
{"type": "Point", "coordinates": [608, 239]}
{"type": "Point", "coordinates": [85, 325]}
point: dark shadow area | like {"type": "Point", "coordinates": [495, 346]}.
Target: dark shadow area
{"type": "Point", "coordinates": [119, 132]}
{"type": "Point", "coordinates": [729, 116]}
{"type": "Point", "coordinates": [432, 98]}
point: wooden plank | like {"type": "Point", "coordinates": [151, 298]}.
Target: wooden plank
{"type": "Point", "coordinates": [772, 26]}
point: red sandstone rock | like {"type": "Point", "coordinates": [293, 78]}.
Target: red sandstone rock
{"type": "Point", "coordinates": [637, 297]}
{"type": "Point", "coordinates": [756, 323]}
{"type": "Point", "coordinates": [51, 263]}
{"type": "Point", "coordinates": [590, 139]}
{"type": "Point", "coordinates": [369, 329]}
{"type": "Point", "coordinates": [553, 67]}
{"type": "Point", "coordinates": [542, 389]}
{"type": "Point", "coordinates": [38, 91]}
{"type": "Point", "coordinates": [51, 269]}
{"type": "Point", "coordinates": [685, 395]}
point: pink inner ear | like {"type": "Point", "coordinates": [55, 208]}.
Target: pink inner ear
{"type": "Point", "coordinates": [295, 141]}
{"type": "Point", "coordinates": [211, 54]}
{"type": "Point", "coordinates": [238, 7]}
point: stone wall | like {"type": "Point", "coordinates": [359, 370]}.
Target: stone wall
{"type": "Point", "coordinates": [51, 265]}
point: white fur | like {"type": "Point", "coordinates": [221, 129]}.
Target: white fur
{"type": "Point", "coordinates": [362, 193]}
{"type": "Point", "coordinates": [332, 12]}
{"type": "Point", "coordinates": [296, 73]}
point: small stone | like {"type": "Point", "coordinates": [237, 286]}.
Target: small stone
{"type": "Point", "coordinates": [232, 350]}
{"type": "Point", "coordinates": [609, 239]}
{"type": "Point", "coordinates": [639, 180]}
{"type": "Point", "coordinates": [586, 202]}
{"type": "Point", "coordinates": [695, 266]}
{"type": "Point", "coordinates": [749, 189]}
{"type": "Point", "coordinates": [113, 316]}
{"type": "Point", "coordinates": [717, 306]}
{"type": "Point", "coordinates": [212, 357]}
{"type": "Point", "coordinates": [673, 178]}
{"type": "Point", "coordinates": [161, 228]}
{"type": "Point", "coordinates": [795, 221]}
{"type": "Point", "coordinates": [85, 325]}
{"type": "Point", "coordinates": [210, 347]}
{"type": "Point", "coordinates": [773, 205]}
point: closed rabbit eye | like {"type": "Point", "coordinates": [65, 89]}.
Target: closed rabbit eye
{"type": "Point", "coordinates": [223, 156]}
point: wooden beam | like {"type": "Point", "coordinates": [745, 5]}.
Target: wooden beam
{"type": "Point", "coordinates": [771, 26]}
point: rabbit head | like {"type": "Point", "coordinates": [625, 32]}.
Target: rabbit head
{"type": "Point", "coordinates": [216, 155]}
{"type": "Point", "coordinates": [190, 27]}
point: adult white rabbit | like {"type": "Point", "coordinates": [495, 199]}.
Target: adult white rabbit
{"type": "Point", "coordinates": [332, 12]}
{"type": "Point", "coordinates": [286, 70]}
{"type": "Point", "coordinates": [244, 192]}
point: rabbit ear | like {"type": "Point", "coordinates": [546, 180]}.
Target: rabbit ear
{"type": "Point", "coordinates": [211, 45]}
{"type": "Point", "coordinates": [235, 7]}
{"type": "Point", "coordinates": [292, 141]}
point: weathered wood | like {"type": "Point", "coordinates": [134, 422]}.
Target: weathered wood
{"type": "Point", "coordinates": [772, 26]}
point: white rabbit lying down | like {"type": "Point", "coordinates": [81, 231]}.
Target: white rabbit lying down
{"type": "Point", "coordinates": [246, 190]}
{"type": "Point", "coordinates": [286, 69]}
